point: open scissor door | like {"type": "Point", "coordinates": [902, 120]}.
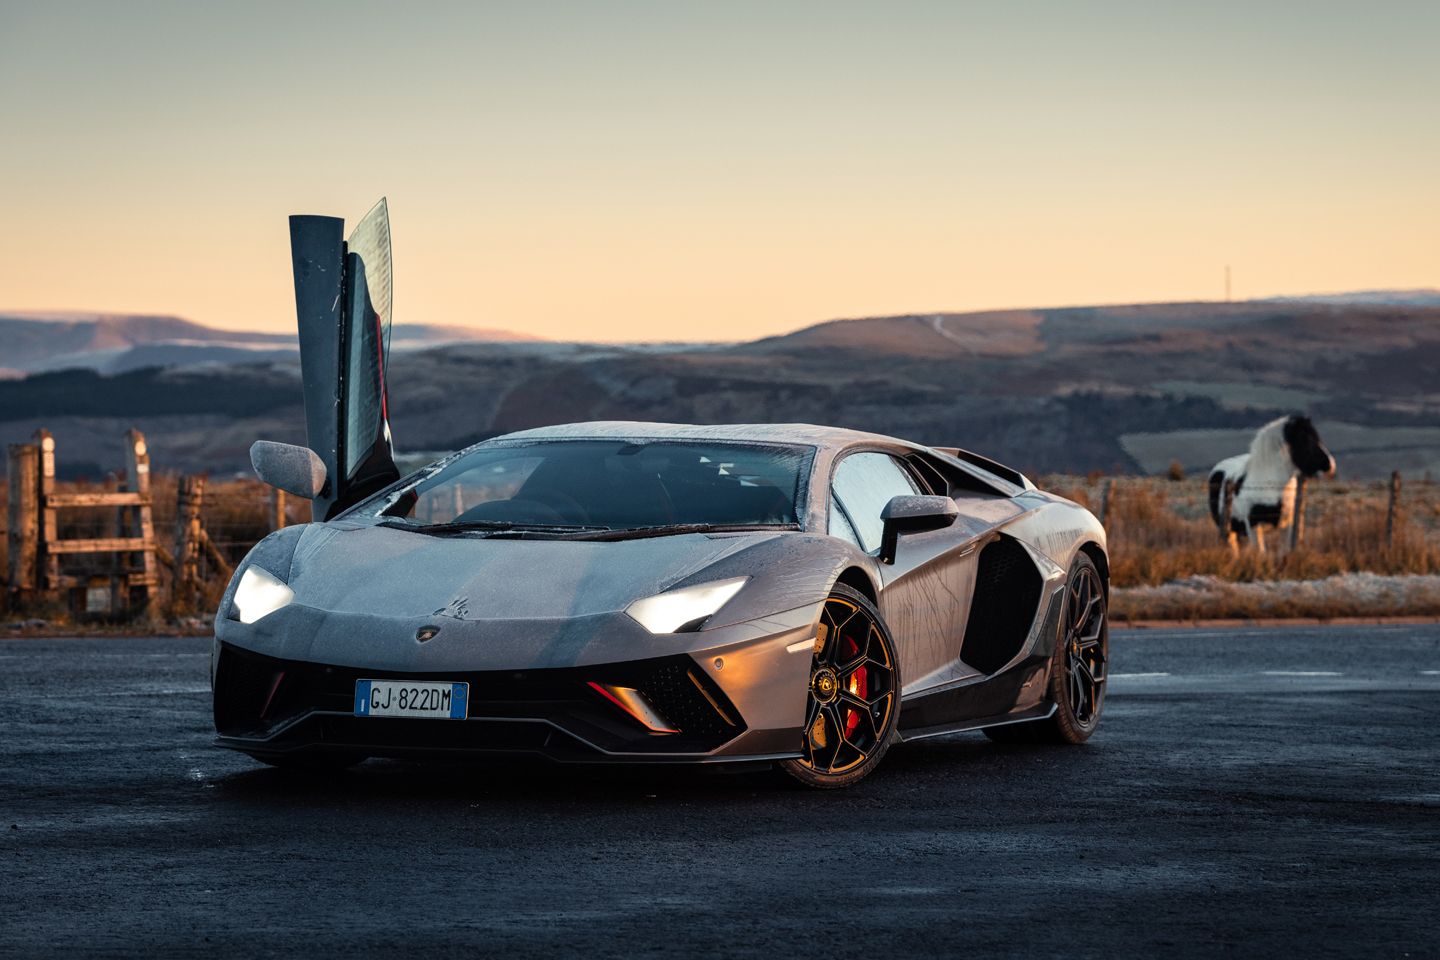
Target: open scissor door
{"type": "Point", "coordinates": [342, 304]}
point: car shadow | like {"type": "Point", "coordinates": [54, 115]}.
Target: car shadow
{"type": "Point", "coordinates": [959, 761]}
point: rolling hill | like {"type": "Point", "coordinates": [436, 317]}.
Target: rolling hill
{"type": "Point", "coordinates": [116, 343]}
{"type": "Point", "coordinates": [1125, 387]}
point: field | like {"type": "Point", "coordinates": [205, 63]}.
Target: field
{"type": "Point", "coordinates": [1167, 560]}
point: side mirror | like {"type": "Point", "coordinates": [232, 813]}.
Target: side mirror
{"type": "Point", "coordinates": [908, 513]}
{"type": "Point", "coordinates": [297, 470]}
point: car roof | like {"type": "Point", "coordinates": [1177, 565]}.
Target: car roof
{"type": "Point", "coordinates": [810, 434]}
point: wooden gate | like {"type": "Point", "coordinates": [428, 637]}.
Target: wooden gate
{"type": "Point", "coordinates": [38, 554]}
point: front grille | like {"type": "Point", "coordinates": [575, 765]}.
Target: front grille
{"type": "Point", "coordinates": [689, 700]}
{"type": "Point", "coordinates": [242, 686]}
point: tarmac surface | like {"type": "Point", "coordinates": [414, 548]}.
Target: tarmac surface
{"type": "Point", "coordinates": [1251, 792]}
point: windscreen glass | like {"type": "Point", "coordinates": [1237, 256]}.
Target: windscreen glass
{"type": "Point", "coordinates": [607, 483]}
{"type": "Point", "coordinates": [367, 334]}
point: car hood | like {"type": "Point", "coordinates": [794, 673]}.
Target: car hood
{"type": "Point", "coordinates": [388, 572]}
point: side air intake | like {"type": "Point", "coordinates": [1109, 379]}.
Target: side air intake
{"type": "Point", "coordinates": [1007, 594]}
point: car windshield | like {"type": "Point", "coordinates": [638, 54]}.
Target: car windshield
{"type": "Point", "coordinates": [605, 485]}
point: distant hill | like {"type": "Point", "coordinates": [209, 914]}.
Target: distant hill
{"type": "Point", "coordinates": [1418, 297]}
{"type": "Point", "coordinates": [116, 343]}
{"type": "Point", "coordinates": [1121, 387]}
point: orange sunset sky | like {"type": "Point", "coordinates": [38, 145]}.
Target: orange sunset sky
{"type": "Point", "coordinates": [634, 171]}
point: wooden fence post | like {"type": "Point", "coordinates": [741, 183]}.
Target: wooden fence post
{"type": "Point", "coordinates": [1297, 522]}
{"type": "Point", "coordinates": [24, 528]}
{"type": "Point", "coordinates": [142, 578]}
{"type": "Point", "coordinates": [1106, 492]}
{"type": "Point", "coordinates": [1392, 512]}
{"type": "Point", "coordinates": [277, 509]}
{"type": "Point", "coordinates": [191, 496]}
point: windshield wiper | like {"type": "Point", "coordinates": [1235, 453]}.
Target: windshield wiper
{"type": "Point", "coordinates": [496, 526]}
{"type": "Point", "coordinates": [677, 529]}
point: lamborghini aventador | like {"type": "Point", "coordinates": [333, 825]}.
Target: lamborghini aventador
{"type": "Point", "coordinates": [786, 594]}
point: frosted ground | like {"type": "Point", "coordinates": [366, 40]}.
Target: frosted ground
{"type": "Point", "coordinates": [1344, 595]}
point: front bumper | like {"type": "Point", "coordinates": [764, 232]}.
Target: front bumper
{"type": "Point", "coordinates": [736, 700]}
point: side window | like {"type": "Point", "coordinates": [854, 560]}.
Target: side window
{"type": "Point", "coordinates": [863, 484]}
{"type": "Point", "coordinates": [839, 526]}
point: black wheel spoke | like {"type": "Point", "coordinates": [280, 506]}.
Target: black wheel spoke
{"type": "Point", "coordinates": [837, 730]}
{"type": "Point", "coordinates": [824, 740]}
{"type": "Point", "coordinates": [1081, 593]}
{"type": "Point", "coordinates": [812, 710]}
{"type": "Point", "coordinates": [1077, 695]}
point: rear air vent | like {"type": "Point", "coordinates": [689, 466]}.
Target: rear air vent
{"type": "Point", "coordinates": [1007, 593]}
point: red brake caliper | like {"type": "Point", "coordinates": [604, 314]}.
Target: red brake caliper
{"type": "Point", "coordinates": [857, 685]}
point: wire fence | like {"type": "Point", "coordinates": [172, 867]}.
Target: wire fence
{"type": "Point", "coordinates": [1159, 530]}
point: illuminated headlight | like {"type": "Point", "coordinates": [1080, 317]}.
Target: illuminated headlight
{"type": "Point", "coordinates": [259, 594]}
{"type": "Point", "coordinates": [680, 610]}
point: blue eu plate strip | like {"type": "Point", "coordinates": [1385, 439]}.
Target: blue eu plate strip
{"type": "Point", "coordinates": [459, 695]}
{"type": "Point", "coordinates": [362, 698]}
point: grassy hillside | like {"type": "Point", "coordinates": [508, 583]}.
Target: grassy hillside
{"type": "Point", "coordinates": [1116, 389]}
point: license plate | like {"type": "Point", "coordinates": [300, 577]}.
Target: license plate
{"type": "Point", "coordinates": [411, 698]}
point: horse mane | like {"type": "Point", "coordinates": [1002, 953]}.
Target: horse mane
{"type": "Point", "coordinates": [1270, 465]}
{"type": "Point", "coordinates": [1269, 442]}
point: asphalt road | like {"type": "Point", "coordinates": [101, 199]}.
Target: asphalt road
{"type": "Point", "coordinates": [1250, 793]}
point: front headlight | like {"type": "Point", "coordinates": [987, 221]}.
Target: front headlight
{"type": "Point", "coordinates": [678, 611]}
{"type": "Point", "coordinates": [259, 594]}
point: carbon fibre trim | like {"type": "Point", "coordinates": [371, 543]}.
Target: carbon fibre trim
{"type": "Point", "coordinates": [313, 704]}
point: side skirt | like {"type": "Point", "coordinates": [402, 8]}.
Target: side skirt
{"type": "Point", "coordinates": [1039, 712]}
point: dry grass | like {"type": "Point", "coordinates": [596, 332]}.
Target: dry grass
{"type": "Point", "coordinates": [1167, 560]}
{"type": "Point", "coordinates": [1161, 530]}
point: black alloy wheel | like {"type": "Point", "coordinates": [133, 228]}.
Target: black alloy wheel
{"type": "Point", "coordinates": [1087, 646]}
{"type": "Point", "coordinates": [852, 704]}
{"type": "Point", "coordinates": [1078, 668]}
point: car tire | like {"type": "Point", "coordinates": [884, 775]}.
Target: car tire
{"type": "Point", "coordinates": [1077, 668]}
{"type": "Point", "coordinates": [852, 703]}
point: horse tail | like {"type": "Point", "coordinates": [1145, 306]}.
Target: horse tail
{"type": "Point", "coordinates": [1217, 494]}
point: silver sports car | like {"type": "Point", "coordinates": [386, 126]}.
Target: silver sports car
{"type": "Point", "coordinates": [787, 594]}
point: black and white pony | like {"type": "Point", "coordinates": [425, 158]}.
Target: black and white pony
{"type": "Point", "coordinates": [1265, 478]}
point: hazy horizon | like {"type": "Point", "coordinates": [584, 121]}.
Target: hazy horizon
{"type": "Point", "coordinates": [64, 315]}
{"type": "Point", "coordinates": [644, 172]}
